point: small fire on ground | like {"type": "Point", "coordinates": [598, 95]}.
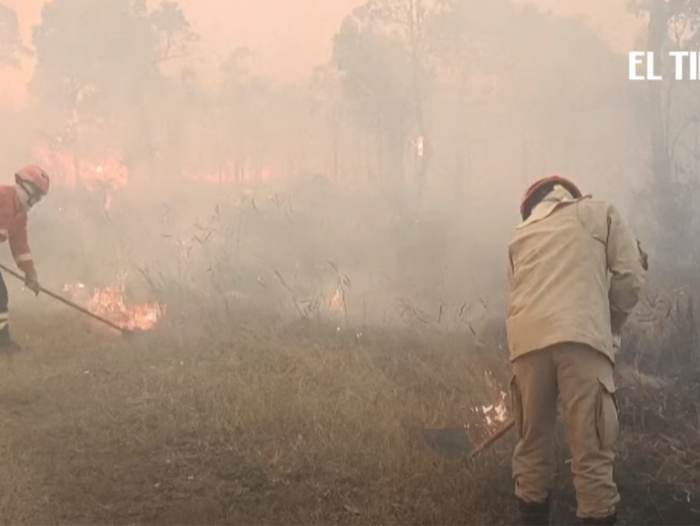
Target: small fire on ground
{"type": "Point", "coordinates": [337, 302]}
{"type": "Point", "coordinates": [496, 413]}
{"type": "Point", "coordinates": [108, 302]}
{"type": "Point", "coordinates": [491, 415]}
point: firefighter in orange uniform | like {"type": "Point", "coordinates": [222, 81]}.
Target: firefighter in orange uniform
{"type": "Point", "coordinates": [576, 271]}
{"type": "Point", "coordinates": [31, 185]}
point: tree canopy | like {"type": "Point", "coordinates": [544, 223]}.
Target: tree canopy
{"type": "Point", "coordinates": [11, 47]}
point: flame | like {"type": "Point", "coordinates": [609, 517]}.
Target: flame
{"type": "Point", "coordinates": [227, 173]}
{"type": "Point", "coordinates": [495, 413]}
{"type": "Point", "coordinates": [419, 144]}
{"type": "Point", "coordinates": [107, 172]}
{"type": "Point", "coordinates": [104, 175]}
{"type": "Point", "coordinates": [337, 303]}
{"type": "Point", "coordinates": [108, 302]}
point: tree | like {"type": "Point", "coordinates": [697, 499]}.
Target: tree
{"type": "Point", "coordinates": [673, 123]}
{"type": "Point", "coordinates": [330, 111]}
{"type": "Point", "coordinates": [381, 53]}
{"type": "Point", "coordinates": [469, 48]}
{"type": "Point", "coordinates": [173, 30]}
{"type": "Point", "coordinates": [513, 78]}
{"type": "Point", "coordinates": [98, 69]}
{"type": "Point", "coordinates": [11, 48]}
{"type": "Point", "coordinates": [244, 98]}
{"type": "Point", "coordinates": [408, 19]}
{"type": "Point", "coordinates": [96, 56]}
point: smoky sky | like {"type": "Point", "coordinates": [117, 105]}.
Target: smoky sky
{"type": "Point", "coordinates": [290, 37]}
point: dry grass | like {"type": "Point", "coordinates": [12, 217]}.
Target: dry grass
{"type": "Point", "coordinates": [261, 423]}
{"type": "Point", "coordinates": [299, 423]}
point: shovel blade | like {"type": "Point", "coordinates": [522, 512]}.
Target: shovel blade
{"type": "Point", "coordinates": [448, 442]}
{"type": "Point", "coordinates": [453, 441]}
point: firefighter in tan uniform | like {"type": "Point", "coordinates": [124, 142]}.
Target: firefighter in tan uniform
{"type": "Point", "coordinates": [575, 276]}
{"type": "Point", "coordinates": [31, 185]}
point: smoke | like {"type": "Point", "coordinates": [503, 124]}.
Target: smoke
{"type": "Point", "coordinates": [239, 156]}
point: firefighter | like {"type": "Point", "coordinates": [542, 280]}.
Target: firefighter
{"type": "Point", "coordinates": [31, 185]}
{"type": "Point", "coordinates": [575, 274]}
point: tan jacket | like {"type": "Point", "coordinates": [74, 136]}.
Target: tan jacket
{"type": "Point", "coordinates": [575, 275]}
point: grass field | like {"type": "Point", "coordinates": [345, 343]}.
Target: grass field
{"type": "Point", "coordinates": [260, 421]}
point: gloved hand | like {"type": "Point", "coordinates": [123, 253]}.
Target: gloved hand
{"type": "Point", "coordinates": [31, 281]}
{"type": "Point", "coordinates": [617, 343]}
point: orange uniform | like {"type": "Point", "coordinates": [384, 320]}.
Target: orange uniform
{"type": "Point", "coordinates": [31, 186]}
{"type": "Point", "coordinates": [13, 226]}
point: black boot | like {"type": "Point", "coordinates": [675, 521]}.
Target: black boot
{"type": "Point", "coordinates": [534, 513]}
{"type": "Point", "coordinates": [7, 345]}
{"type": "Point", "coordinates": [607, 521]}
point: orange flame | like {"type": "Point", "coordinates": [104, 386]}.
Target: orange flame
{"type": "Point", "coordinates": [108, 302]}
{"type": "Point", "coordinates": [337, 302]}
{"type": "Point", "coordinates": [227, 173]}
{"type": "Point", "coordinates": [495, 413]}
{"type": "Point", "coordinates": [105, 175]}
{"type": "Point", "coordinates": [107, 172]}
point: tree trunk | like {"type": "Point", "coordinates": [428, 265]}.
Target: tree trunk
{"type": "Point", "coordinates": [658, 28]}
{"type": "Point", "coordinates": [415, 31]}
{"type": "Point", "coordinates": [662, 187]}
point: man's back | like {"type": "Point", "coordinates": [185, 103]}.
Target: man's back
{"type": "Point", "coordinates": [575, 274]}
{"type": "Point", "coordinates": [560, 277]}
{"type": "Point", "coordinates": [10, 213]}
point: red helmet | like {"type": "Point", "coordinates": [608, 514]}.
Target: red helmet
{"type": "Point", "coordinates": [551, 180]}
{"type": "Point", "coordinates": [35, 177]}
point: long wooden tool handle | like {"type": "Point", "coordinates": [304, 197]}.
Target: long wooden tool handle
{"type": "Point", "coordinates": [493, 438]}
{"type": "Point", "coordinates": [66, 302]}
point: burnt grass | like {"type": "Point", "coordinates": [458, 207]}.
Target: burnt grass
{"type": "Point", "coordinates": [265, 422]}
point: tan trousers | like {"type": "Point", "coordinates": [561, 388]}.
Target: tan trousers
{"type": "Point", "coordinates": [580, 379]}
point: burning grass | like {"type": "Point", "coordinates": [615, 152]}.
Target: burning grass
{"type": "Point", "coordinates": [261, 422]}
{"type": "Point", "coordinates": [109, 303]}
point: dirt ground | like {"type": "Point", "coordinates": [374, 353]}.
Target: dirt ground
{"type": "Point", "coordinates": [245, 422]}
